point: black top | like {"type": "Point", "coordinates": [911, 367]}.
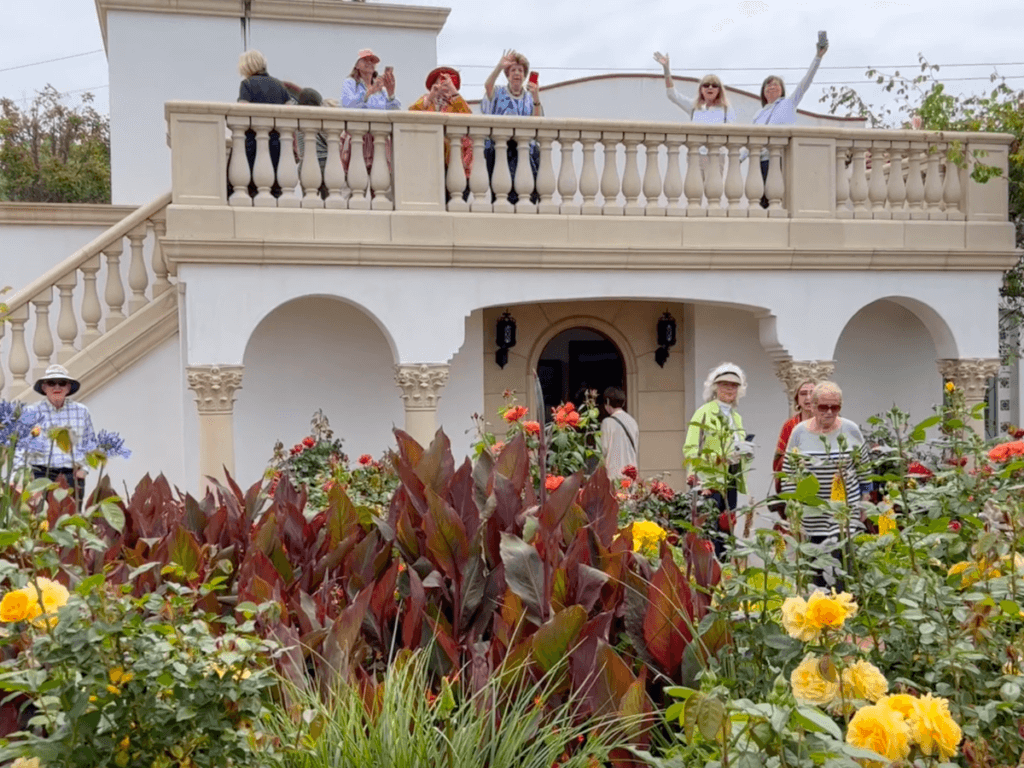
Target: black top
{"type": "Point", "coordinates": [261, 88]}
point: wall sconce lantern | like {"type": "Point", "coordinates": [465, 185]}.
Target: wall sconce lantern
{"type": "Point", "coordinates": [505, 338]}
{"type": "Point", "coordinates": [666, 338]}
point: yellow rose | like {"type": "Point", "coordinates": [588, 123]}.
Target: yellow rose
{"type": "Point", "coordinates": [886, 523]}
{"type": "Point", "coordinates": [863, 680]}
{"type": "Point", "coordinates": [26, 762]}
{"type": "Point", "coordinates": [950, 386]}
{"type": "Point", "coordinates": [933, 728]}
{"type": "Point", "coordinates": [881, 730]}
{"type": "Point", "coordinates": [794, 620]}
{"type": "Point", "coordinates": [903, 703]}
{"type": "Point", "coordinates": [14, 606]}
{"type": "Point", "coordinates": [647, 537]}
{"type": "Point", "coordinates": [809, 686]}
{"type": "Point", "coordinates": [119, 677]}
{"type": "Point", "coordinates": [825, 612]}
{"type": "Point", "coordinates": [54, 594]}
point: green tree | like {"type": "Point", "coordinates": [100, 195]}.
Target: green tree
{"type": "Point", "coordinates": [54, 153]}
{"type": "Point", "coordinates": [999, 110]}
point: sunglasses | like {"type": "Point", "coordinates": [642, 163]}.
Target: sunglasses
{"type": "Point", "coordinates": [58, 382]}
{"type": "Point", "coordinates": [829, 408]}
{"type": "Point", "coordinates": [710, 85]}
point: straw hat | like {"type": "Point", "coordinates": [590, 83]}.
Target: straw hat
{"type": "Point", "coordinates": [57, 373]}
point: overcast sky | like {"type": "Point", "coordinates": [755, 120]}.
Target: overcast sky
{"type": "Point", "coordinates": [565, 39]}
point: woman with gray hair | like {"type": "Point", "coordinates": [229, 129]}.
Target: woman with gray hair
{"type": "Point", "coordinates": [831, 449]}
{"type": "Point", "coordinates": [717, 447]}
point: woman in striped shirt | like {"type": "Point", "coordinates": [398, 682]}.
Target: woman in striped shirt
{"type": "Point", "coordinates": [832, 449]}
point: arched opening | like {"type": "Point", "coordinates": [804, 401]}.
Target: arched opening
{"type": "Point", "coordinates": [575, 360]}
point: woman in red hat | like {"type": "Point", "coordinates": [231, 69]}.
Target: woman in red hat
{"type": "Point", "coordinates": [443, 95]}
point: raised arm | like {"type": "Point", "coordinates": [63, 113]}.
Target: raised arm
{"type": "Point", "coordinates": [673, 94]}
{"type": "Point", "coordinates": [801, 89]}
{"type": "Point", "coordinates": [505, 60]}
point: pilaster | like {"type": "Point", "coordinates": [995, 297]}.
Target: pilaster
{"type": "Point", "coordinates": [971, 374]}
{"type": "Point", "coordinates": [793, 373]}
{"type": "Point", "coordinates": [215, 387]}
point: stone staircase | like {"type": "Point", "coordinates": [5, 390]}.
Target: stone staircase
{"type": "Point", "coordinates": [96, 337]}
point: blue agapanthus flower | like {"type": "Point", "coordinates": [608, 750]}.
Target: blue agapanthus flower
{"type": "Point", "coordinates": [111, 444]}
{"type": "Point", "coordinates": [15, 423]}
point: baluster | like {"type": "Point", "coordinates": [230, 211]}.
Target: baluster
{"type": "Point", "coordinates": [358, 178]}
{"type": "Point", "coordinates": [334, 172]}
{"type": "Point", "coordinates": [733, 178]}
{"type": "Point", "coordinates": [859, 181]}
{"type": "Point", "coordinates": [589, 186]}
{"type": "Point", "coordinates": [567, 173]}
{"type": "Point", "coordinates": [714, 185]}
{"type": "Point", "coordinates": [897, 191]}
{"type": "Point", "coordinates": [160, 282]}
{"type": "Point", "coordinates": [114, 294]}
{"type": "Point", "coordinates": [17, 360]}
{"type": "Point", "coordinates": [546, 172]}
{"type": "Point", "coordinates": [3, 378]}
{"type": "Point", "coordinates": [693, 186]}
{"type": "Point", "coordinates": [92, 311]}
{"type": "Point", "coordinates": [524, 173]}
{"type": "Point", "coordinates": [933, 184]}
{"type": "Point", "coordinates": [610, 174]}
{"type": "Point", "coordinates": [287, 170]}
{"type": "Point", "coordinates": [775, 186]}
{"type": "Point", "coordinates": [455, 176]}
{"type": "Point", "coordinates": [263, 169]}
{"type": "Point", "coordinates": [652, 175]}
{"type": "Point", "coordinates": [138, 278]}
{"type": "Point", "coordinates": [631, 176]}
{"type": "Point", "coordinates": [479, 184]}
{"type": "Point", "coordinates": [42, 340]}
{"type": "Point", "coordinates": [951, 192]}
{"type": "Point", "coordinates": [877, 188]}
{"type": "Point", "coordinates": [843, 210]}
{"type": "Point", "coordinates": [67, 325]}
{"type": "Point", "coordinates": [380, 174]}
{"type": "Point", "coordinates": [238, 167]}
{"type": "Point", "coordinates": [754, 187]}
{"type": "Point", "coordinates": [915, 181]}
{"type": "Point", "coordinates": [310, 175]}
{"type": "Point", "coordinates": [673, 178]}
{"type": "Point", "coordinates": [501, 180]}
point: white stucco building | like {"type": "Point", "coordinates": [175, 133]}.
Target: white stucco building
{"type": "Point", "coordinates": [205, 327]}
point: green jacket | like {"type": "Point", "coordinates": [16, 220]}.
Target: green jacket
{"type": "Point", "coordinates": [710, 439]}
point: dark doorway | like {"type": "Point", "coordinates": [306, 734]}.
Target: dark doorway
{"type": "Point", "coordinates": [576, 360]}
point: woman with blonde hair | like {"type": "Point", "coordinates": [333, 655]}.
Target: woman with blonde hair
{"type": "Point", "coordinates": [717, 447]}
{"type": "Point", "coordinates": [365, 89]}
{"type": "Point", "coordinates": [712, 103]}
{"type": "Point", "coordinates": [258, 87]}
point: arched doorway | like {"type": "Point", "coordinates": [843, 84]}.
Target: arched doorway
{"type": "Point", "coordinates": [575, 360]}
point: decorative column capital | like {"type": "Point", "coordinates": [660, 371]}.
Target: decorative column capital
{"type": "Point", "coordinates": [971, 374]}
{"type": "Point", "coordinates": [215, 386]}
{"type": "Point", "coordinates": [793, 373]}
{"type": "Point", "coordinates": [421, 384]}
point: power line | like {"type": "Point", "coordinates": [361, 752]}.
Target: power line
{"type": "Point", "coordinates": [64, 93]}
{"type": "Point", "coordinates": [835, 82]}
{"type": "Point", "coordinates": [753, 69]}
{"type": "Point", "coordinates": [50, 61]}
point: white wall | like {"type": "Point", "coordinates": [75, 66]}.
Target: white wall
{"type": "Point", "coordinates": [150, 406]}
{"type": "Point", "coordinates": [886, 356]}
{"type": "Point", "coordinates": [313, 353]}
{"type": "Point", "coordinates": [464, 394]}
{"type": "Point", "coordinates": [154, 58]}
{"type": "Point", "coordinates": [29, 250]}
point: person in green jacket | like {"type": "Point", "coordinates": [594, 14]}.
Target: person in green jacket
{"type": "Point", "coordinates": [716, 448]}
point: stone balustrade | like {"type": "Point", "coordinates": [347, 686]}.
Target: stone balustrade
{"type": "Point", "coordinates": [586, 167]}
{"type": "Point", "coordinates": [96, 290]}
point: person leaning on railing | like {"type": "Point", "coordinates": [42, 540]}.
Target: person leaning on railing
{"type": "Point", "coordinates": [443, 95]}
{"type": "Point", "coordinates": [519, 97]}
{"type": "Point", "coordinates": [258, 87]}
{"type": "Point", "coordinates": [779, 109]}
{"type": "Point", "coordinates": [366, 89]}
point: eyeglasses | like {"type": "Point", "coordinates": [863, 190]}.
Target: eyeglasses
{"type": "Point", "coordinates": [58, 382]}
{"type": "Point", "coordinates": [829, 408]}
{"type": "Point", "coordinates": [710, 85]}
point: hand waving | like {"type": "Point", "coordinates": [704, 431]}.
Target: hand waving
{"type": "Point", "coordinates": [661, 58]}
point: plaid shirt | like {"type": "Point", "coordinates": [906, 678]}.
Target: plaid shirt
{"type": "Point", "coordinates": [42, 451]}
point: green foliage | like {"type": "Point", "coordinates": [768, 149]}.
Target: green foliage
{"type": "Point", "coordinates": [53, 153]}
{"type": "Point", "coordinates": [999, 110]}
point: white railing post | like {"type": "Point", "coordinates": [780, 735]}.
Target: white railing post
{"type": "Point", "coordinates": [951, 192]}
{"type": "Point", "coordinates": [589, 186]}
{"type": "Point", "coordinates": [524, 172]}
{"type": "Point", "coordinates": [567, 173]}
{"type": "Point", "coordinates": [897, 191]}
{"type": "Point", "coordinates": [754, 188]}
{"type": "Point", "coordinates": [455, 178]}
{"type": "Point", "coordinates": [479, 184]}
{"type": "Point", "coordinates": [501, 180]}
{"type": "Point", "coordinates": [263, 168]}
{"type": "Point", "coordinates": [610, 174]}
{"type": "Point", "coordinates": [693, 186]}
{"type": "Point", "coordinates": [775, 187]}
{"type": "Point", "coordinates": [287, 170]}
{"type": "Point", "coordinates": [358, 178]}
{"type": "Point", "coordinates": [933, 183]}
{"type": "Point", "coordinates": [67, 325]}
{"type": "Point", "coordinates": [673, 178]}
{"type": "Point", "coordinates": [631, 176]}
{"type": "Point", "coordinates": [652, 186]}
{"type": "Point", "coordinates": [843, 209]}
{"type": "Point", "coordinates": [17, 359]}
{"type": "Point", "coordinates": [114, 293]}
{"type": "Point", "coordinates": [380, 172]}
{"type": "Point", "coordinates": [733, 177]}
{"type": "Point", "coordinates": [310, 175]}
{"type": "Point", "coordinates": [859, 180]}
{"type": "Point", "coordinates": [713, 183]}
{"type": "Point", "coordinates": [42, 340]}
{"type": "Point", "coordinates": [160, 282]}
{"type": "Point", "coordinates": [334, 172]}
{"type": "Point", "coordinates": [877, 187]}
{"type": "Point", "coordinates": [138, 277]}
{"type": "Point", "coordinates": [238, 167]}
{"type": "Point", "coordinates": [546, 171]}
{"type": "Point", "coordinates": [92, 311]}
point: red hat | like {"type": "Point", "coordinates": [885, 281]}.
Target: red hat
{"type": "Point", "coordinates": [366, 53]}
{"type": "Point", "coordinates": [438, 71]}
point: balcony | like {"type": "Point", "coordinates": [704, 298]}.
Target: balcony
{"type": "Point", "coordinates": [635, 194]}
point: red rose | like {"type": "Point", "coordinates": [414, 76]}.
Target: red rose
{"type": "Point", "coordinates": [919, 470]}
{"type": "Point", "coordinates": [531, 427]}
{"type": "Point", "coordinates": [296, 449]}
{"type": "Point", "coordinates": [662, 491]}
{"type": "Point", "coordinates": [366, 459]}
{"type": "Point", "coordinates": [629, 471]}
{"type": "Point", "coordinates": [726, 521]}
{"type": "Point", "coordinates": [309, 442]}
{"type": "Point", "coordinates": [552, 482]}
{"type": "Point", "coordinates": [957, 461]}
{"type": "Point", "coordinates": [954, 526]}
{"type": "Point", "coordinates": [515, 413]}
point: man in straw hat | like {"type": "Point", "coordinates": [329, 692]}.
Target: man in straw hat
{"type": "Point", "coordinates": [43, 456]}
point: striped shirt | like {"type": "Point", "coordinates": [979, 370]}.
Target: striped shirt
{"type": "Point", "coordinates": [835, 457]}
{"type": "Point", "coordinates": [44, 452]}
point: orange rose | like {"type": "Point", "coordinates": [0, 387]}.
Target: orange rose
{"type": "Point", "coordinates": [532, 427]}
{"type": "Point", "coordinates": [552, 482]}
